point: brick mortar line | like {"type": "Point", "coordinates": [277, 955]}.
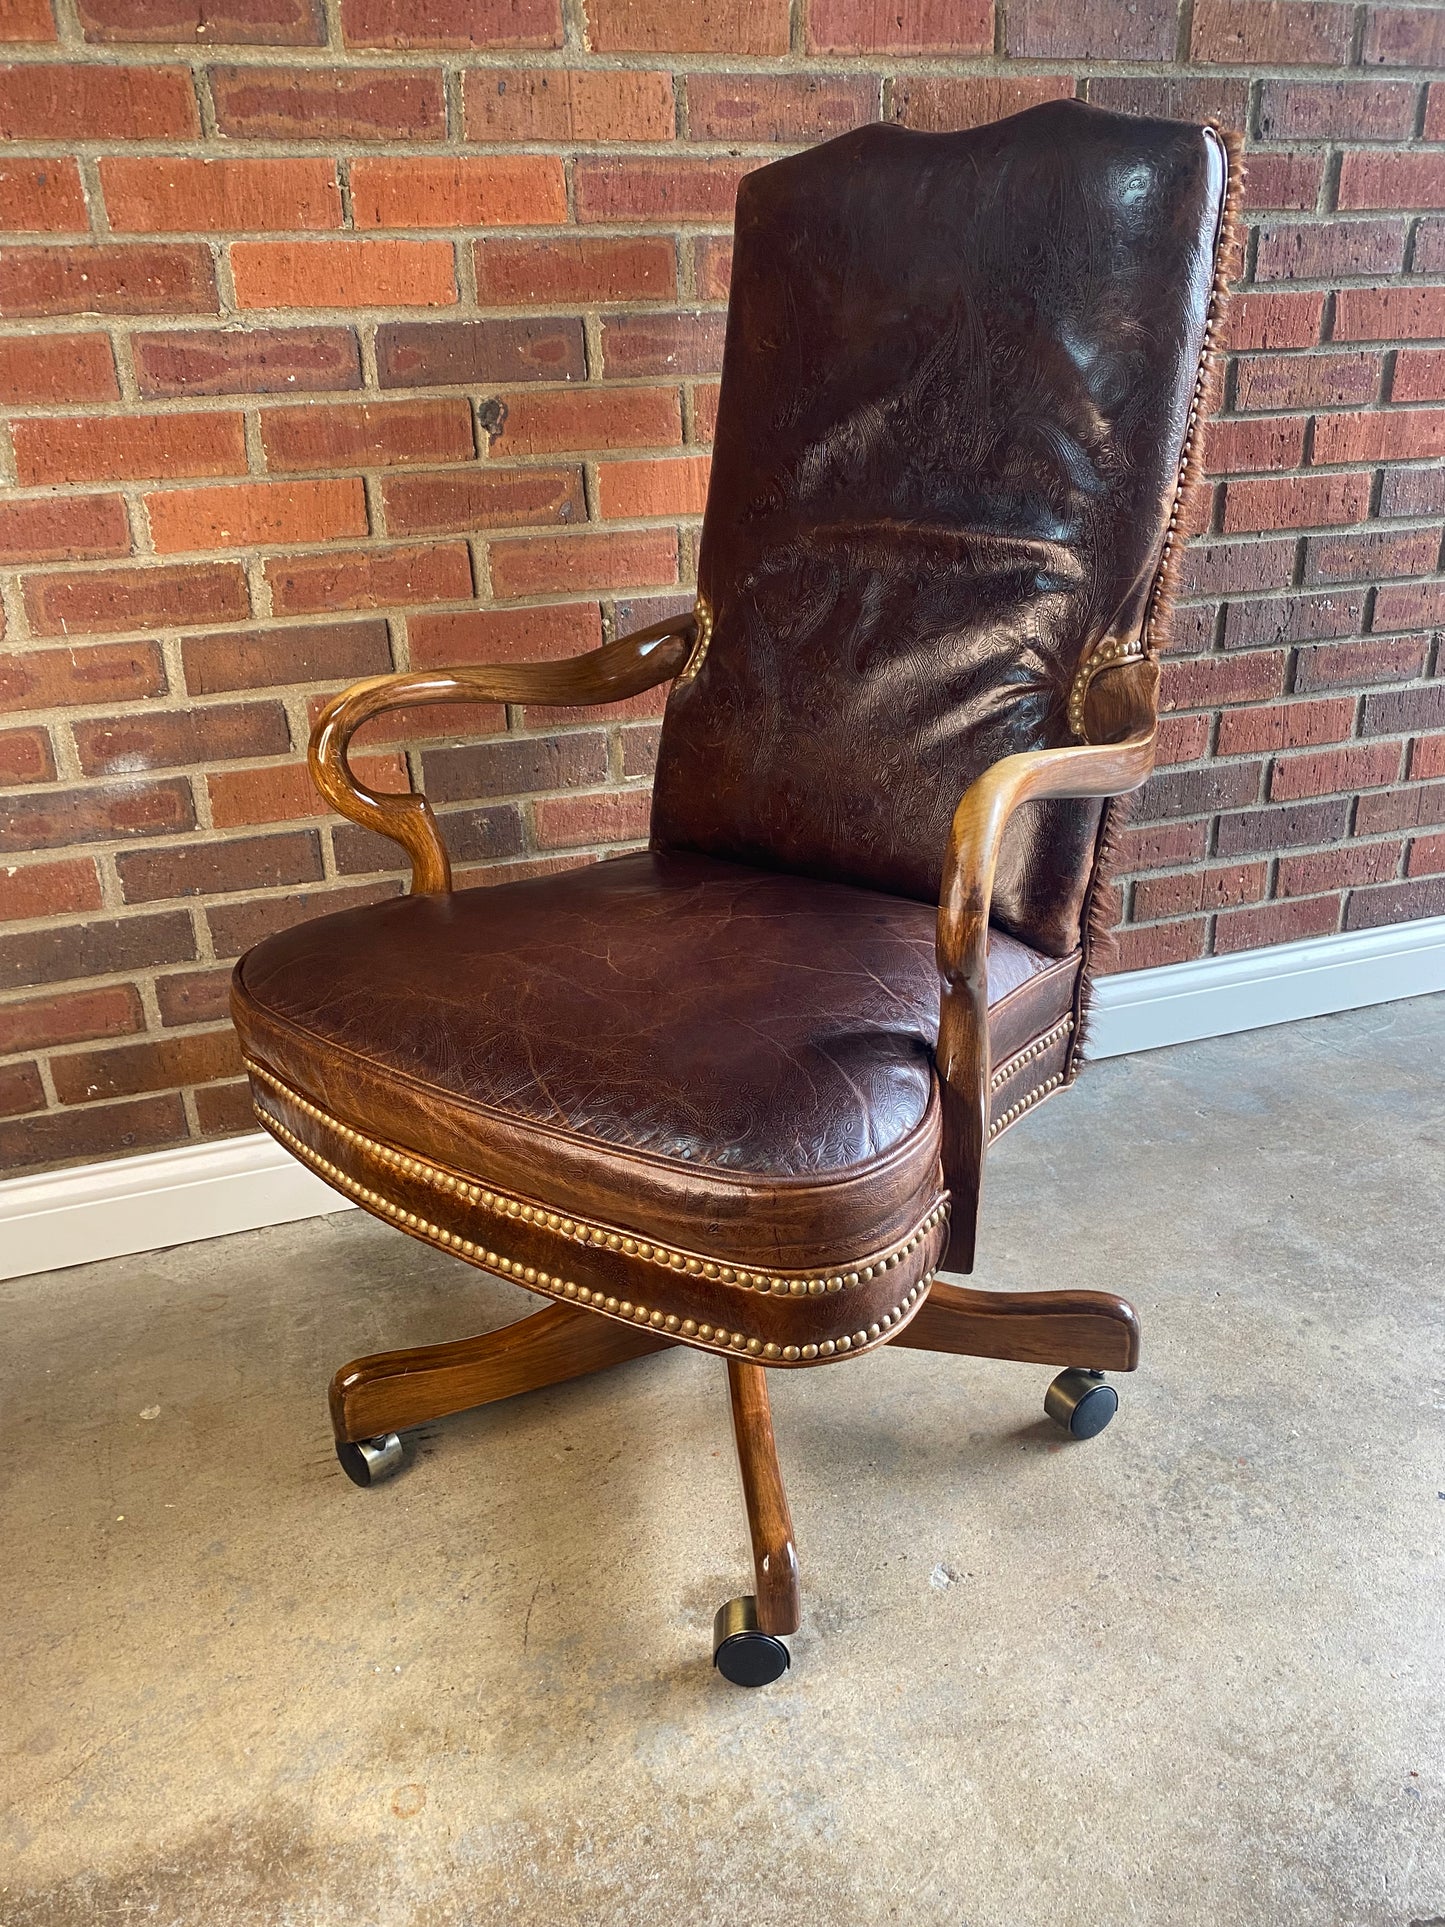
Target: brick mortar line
{"type": "Point", "coordinates": [801, 59]}
{"type": "Point", "coordinates": [346, 545]}
{"type": "Point", "coordinates": [215, 142]}
{"type": "Point", "coordinates": [187, 406]}
{"type": "Point", "coordinates": [342, 152]}
{"type": "Point", "coordinates": [682, 222]}
{"type": "Point", "coordinates": [632, 592]}
{"type": "Point", "coordinates": [340, 398]}
{"type": "Point", "coordinates": [379, 542]}
{"type": "Point", "coordinates": [545, 599]}
{"type": "Point", "coordinates": [278, 695]}
{"type": "Point", "coordinates": [340, 148]}
{"type": "Point", "coordinates": [141, 489]}
{"type": "Point", "coordinates": [380, 315]}
{"type": "Point", "coordinates": [97, 321]}
{"type": "Point", "coordinates": [930, 63]}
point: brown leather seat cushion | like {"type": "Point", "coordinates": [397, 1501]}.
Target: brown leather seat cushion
{"type": "Point", "coordinates": [733, 1058]}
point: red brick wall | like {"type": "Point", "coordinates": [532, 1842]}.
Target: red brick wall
{"type": "Point", "coordinates": [337, 337]}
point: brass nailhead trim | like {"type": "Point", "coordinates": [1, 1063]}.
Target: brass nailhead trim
{"type": "Point", "coordinates": [1209, 346]}
{"type": "Point", "coordinates": [1030, 1051]}
{"type": "Point", "coordinates": [582, 1231]}
{"type": "Point", "coordinates": [702, 615]}
{"type": "Point", "coordinates": [1025, 1103]}
{"type": "Point", "coordinates": [713, 1337]}
{"type": "Point", "coordinates": [1120, 649]}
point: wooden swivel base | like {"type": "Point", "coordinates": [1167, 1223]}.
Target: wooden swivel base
{"type": "Point", "coordinates": [374, 1399]}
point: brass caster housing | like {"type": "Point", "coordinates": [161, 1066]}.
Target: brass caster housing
{"type": "Point", "coordinates": [741, 1651]}
{"type": "Point", "coordinates": [369, 1461]}
{"type": "Point", "coordinates": [1081, 1403]}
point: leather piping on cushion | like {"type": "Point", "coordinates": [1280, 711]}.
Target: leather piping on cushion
{"type": "Point", "coordinates": [1026, 1079]}
{"type": "Point", "coordinates": [805, 1224]}
{"type": "Point", "coordinates": [1036, 1048]}
{"type": "Point", "coordinates": [811, 1223]}
{"type": "Point", "coordinates": [786, 1317]}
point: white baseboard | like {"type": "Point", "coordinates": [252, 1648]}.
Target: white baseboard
{"type": "Point", "coordinates": [1215, 996]}
{"type": "Point", "coordinates": [146, 1203]}
{"type": "Point", "coordinates": [164, 1198]}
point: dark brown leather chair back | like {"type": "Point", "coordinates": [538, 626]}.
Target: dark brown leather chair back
{"type": "Point", "coordinates": [960, 374]}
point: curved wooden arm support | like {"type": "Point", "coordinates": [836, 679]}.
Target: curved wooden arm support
{"type": "Point", "coordinates": [1078, 770]}
{"type": "Point", "coordinates": [619, 669]}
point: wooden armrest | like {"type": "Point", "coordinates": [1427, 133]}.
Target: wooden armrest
{"type": "Point", "coordinates": [1077, 770]}
{"type": "Point", "coordinates": [607, 675]}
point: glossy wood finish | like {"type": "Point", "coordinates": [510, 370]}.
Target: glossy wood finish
{"type": "Point", "coordinates": [1081, 770]}
{"type": "Point", "coordinates": [775, 1559]}
{"type": "Point", "coordinates": [392, 1390]}
{"type": "Point", "coordinates": [1093, 1330]}
{"type": "Point", "coordinates": [610, 674]}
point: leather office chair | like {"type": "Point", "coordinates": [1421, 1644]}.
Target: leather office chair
{"type": "Point", "coordinates": [735, 1092]}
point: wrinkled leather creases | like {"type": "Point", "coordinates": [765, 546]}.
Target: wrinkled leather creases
{"type": "Point", "coordinates": [956, 383]}
{"type": "Point", "coordinates": [741, 1059]}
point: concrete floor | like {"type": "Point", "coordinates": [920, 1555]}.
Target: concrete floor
{"type": "Point", "coordinates": [1193, 1671]}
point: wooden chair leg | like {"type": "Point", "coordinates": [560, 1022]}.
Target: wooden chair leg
{"type": "Point", "coordinates": [775, 1559]}
{"type": "Point", "coordinates": [391, 1390]}
{"type": "Point", "coordinates": [1092, 1330]}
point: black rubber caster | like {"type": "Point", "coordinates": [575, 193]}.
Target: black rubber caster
{"type": "Point", "coordinates": [741, 1651]}
{"type": "Point", "coordinates": [369, 1461]}
{"type": "Point", "coordinates": [1081, 1403]}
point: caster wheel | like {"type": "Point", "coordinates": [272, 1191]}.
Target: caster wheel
{"type": "Point", "coordinates": [1081, 1403]}
{"type": "Point", "coordinates": [370, 1461]}
{"type": "Point", "coordinates": [743, 1653]}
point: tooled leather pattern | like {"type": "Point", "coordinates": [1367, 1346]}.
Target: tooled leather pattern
{"type": "Point", "coordinates": [956, 382]}
{"type": "Point", "coordinates": [668, 1004]}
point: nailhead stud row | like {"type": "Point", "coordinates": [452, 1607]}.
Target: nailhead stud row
{"type": "Point", "coordinates": [714, 1337]}
{"type": "Point", "coordinates": [579, 1231]}
{"type": "Point", "coordinates": [702, 615]}
{"type": "Point", "coordinates": [1121, 649]}
{"type": "Point", "coordinates": [1030, 1051]}
{"type": "Point", "coordinates": [1207, 349]}
{"type": "Point", "coordinates": [1025, 1103]}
